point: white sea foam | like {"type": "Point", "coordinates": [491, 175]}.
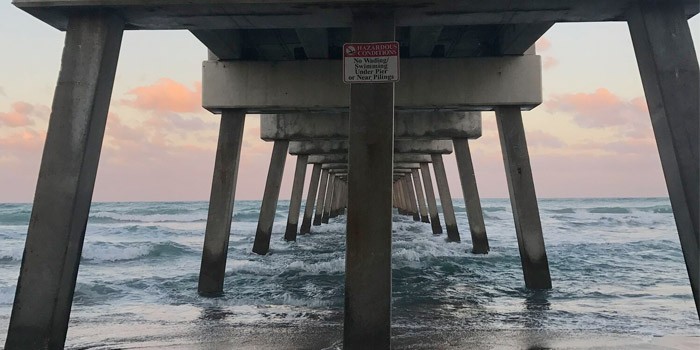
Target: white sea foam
{"type": "Point", "coordinates": [100, 252]}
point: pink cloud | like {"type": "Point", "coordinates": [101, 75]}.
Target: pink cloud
{"type": "Point", "coordinates": [23, 114]}
{"type": "Point", "coordinates": [166, 95]}
{"type": "Point", "coordinates": [22, 143]}
{"type": "Point", "coordinates": [543, 44]}
{"type": "Point", "coordinates": [538, 138]}
{"type": "Point", "coordinates": [549, 62]}
{"type": "Point", "coordinates": [602, 109]}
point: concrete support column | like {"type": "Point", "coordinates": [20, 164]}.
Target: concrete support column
{"type": "Point", "coordinates": [412, 197]}
{"type": "Point", "coordinates": [63, 195]}
{"type": "Point", "coordinates": [668, 65]}
{"type": "Point", "coordinates": [404, 197]}
{"type": "Point", "coordinates": [480, 242]}
{"type": "Point", "coordinates": [328, 202]}
{"type": "Point", "coordinates": [422, 207]}
{"type": "Point", "coordinates": [399, 197]}
{"type": "Point", "coordinates": [311, 200]}
{"type": "Point", "coordinates": [370, 173]}
{"type": "Point", "coordinates": [523, 199]}
{"type": "Point", "coordinates": [268, 208]}
{"type": "Point", "coordinates": [448, 210]}
{"type": "Point", "coordinates": [344, 203]}
{"type": "Point", "coordinates": [336, 200]}
{"type": "Point", "coordinates": [320, 201]}
{"type": "Point", "coordinates": [430, 197]}
{"type": "Point", "coordinates": [295, 201]}
{"type": "Point", "coordinates": [223, 193]}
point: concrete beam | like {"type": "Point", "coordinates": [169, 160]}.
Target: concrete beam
{"type": "Point", "coordinates": [226, 44]}
{"type": "Point", "coordinates": [516, 39]}
{"type": "Point", "coordinates": [460, 84]}
{"type": "Point", "coordinates": [423, 40]}
{"type": "Point", "coordinates": [323, 147]}
{"type": "Point", "coordinates": [342, 158]}
{"type": "Point", "coordinates": [247, 14]}
{"type": "Point", "coordinates": [330, 166]}
{"type": "Point", "coordinates": [327, 158]}
{"type": "Point", "coordinates": [423, 147]}
{"type": "Point", "coordinates": [314, 41]}
{"type": "Point", "coordinates": [429, 125]}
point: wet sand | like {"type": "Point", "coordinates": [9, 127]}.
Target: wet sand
{"type": "Point", "coordinates": [331, 338]}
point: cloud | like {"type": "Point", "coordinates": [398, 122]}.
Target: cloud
{"type": "Point", "coordinates": [166, 96]}
{"type": "Point", "coordinates": [543, 44]}
{"type": "Point", "coordinates": [537, 138]}
{"type": "Point", "coordinates": [22, 115]}
{"type": "Point", "coordinates": [603, 109]}
{"type": "Point", "coordinates": [177, 123]}
{"type": "Point", "coordinates": [549, 62]}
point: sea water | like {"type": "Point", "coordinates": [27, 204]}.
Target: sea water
{"type": "Point", "coordinates": [616, 267]}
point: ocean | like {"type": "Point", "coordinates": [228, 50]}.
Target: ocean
{"type": "Point", "coordinates": [616, 266]}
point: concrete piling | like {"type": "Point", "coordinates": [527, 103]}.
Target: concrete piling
{"type": "Point", "coordinates": [410, 189]}
{"type": "Point", "coordinates": [328, 202]}
{"type": "Point", "coordinates": [290, 233]}
{"type": "Point", "coordinates": [422, 207]}
{"type": "Point", "coordinates": [523, 199]}
{"type": "Point", "coordinates": [668, 65]}
{"type": "Point", "coordinates": [475, 215]}
{"type": "Point", "coordinates": [270, 196]}
{"type": "Point", "coordinates": [367, 321]}
{"type": "Point", "coordinates": [311, 200]}
{"type": "Point", "coordinates": [448, 210]}
{"type": "Point", "coordinates": [320, 202]}
{"type": "Point", "coordinates": [430, 198]}
{"type": "Point", "coordinates": [44, 294]}
{"type": "Point", "coordinates": [223, 193]}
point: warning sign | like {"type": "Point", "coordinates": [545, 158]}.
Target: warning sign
{"type": "Point", "coordinates": [371, 62]}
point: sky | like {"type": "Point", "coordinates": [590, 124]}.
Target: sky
{"type": "Point", "coordinates": [591, 137]}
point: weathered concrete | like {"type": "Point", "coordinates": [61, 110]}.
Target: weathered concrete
{"type": "Point", "coordinates": [223, 194]}
{"type": "Point", "coordinates": [422, 207]}
{"type": "Point", "coordinates": [320, 202]}
{"type": "Point", "coordinates": [270, 196]}
{"type": "Point", "coordinates": [311, 200]}
{"type": "Point", "coordinates": [336, 198]}
{"type": "Point", "coordinates": [523, 199]}
{"type": "Point", "coordinates": [402, 196]}
{"type": "Point", "coordinates": [341, 147]}
{"type": "Point", "coordinates": [668, 65]}
{"type": "Point", "coordinates": [329, 198]}
{"type": "Point", "coordinates": [325, 158]}
{"type": "Point", "coordinates": [59, 216]}
{"type": "Point", "coordinates": [430, 197]}
{"type": "Point", "coordinates": [211, 15]}
{"type": "Point", "coordinates": [318, 147]}
{"type": "Point", "coordinates": [408, 182]}
{"type": "Point", "coordinates": [431, 125]}
{"type": "Point", "coordinates": [462, 84]}
{"type": "Point", "coordinates": [423, 147]}
{"type": "Point", "coordinates": [448, 210]}
{"type": "Point", "coordinates": [367, 317]}
{"type": "Point", "coordinates": [290, 233]}
{"type": "Point", "coordinates": [480, 242]}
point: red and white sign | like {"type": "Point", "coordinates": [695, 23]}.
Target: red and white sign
{"type": "Point", "coordinates": [371, 62]}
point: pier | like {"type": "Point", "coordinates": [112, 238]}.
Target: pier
{"type": "Point", "coordinates": [375, 148]}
